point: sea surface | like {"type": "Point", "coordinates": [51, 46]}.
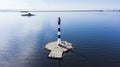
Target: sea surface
{"type": "Point", "coordinates": [94, 35]}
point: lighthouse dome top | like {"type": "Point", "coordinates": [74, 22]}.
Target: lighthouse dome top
{"type": "Point", "coordinates": [59, 19]}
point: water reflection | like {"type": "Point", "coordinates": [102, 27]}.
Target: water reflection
{"type": "Point", "coordinates": [59, 63]}
{"type": "Point", "coordinates": [95, 37]}
{"type": "Point", "coordinates": [18, 40]}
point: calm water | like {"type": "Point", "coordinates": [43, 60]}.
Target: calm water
{"type": "Point", "coordinates": [95, 37]}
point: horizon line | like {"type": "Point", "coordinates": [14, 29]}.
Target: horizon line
{"type": "Point", "coordinates": [67, 10]}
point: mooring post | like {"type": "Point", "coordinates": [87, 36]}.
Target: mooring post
{"type": "Point", "coordinates": [59, 32]}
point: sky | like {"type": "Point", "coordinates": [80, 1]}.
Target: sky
{"type": "Point", "coordinates": [59, 4]}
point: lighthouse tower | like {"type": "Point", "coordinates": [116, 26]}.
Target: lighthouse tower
{"type": "Point", "coordinates": [59, 32]}
{"type": "Point", "coordinates": [57, 48]}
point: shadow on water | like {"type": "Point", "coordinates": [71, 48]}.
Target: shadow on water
{"type": "Point", "coordinates": [59, 63]}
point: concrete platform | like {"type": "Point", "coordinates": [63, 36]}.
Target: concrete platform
{"type": "Point", "coordinates": [57, 51]}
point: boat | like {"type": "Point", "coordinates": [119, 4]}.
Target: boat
{"type": "Point", "coordinates": [29, 14]}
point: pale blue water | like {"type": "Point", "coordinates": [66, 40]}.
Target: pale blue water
{"type": "Point", "coordinates": [95, 37]}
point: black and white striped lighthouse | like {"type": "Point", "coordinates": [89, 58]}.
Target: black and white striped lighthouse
{"type": "Point", "coordinates": [58, 47]}
{"type": "Point", "coordinates": [59, 32]}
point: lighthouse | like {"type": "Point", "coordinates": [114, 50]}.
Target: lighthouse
{"type": "Point", "coordinates": [58, 48]}
{"type": "Point", "coordinates": [59, 32]}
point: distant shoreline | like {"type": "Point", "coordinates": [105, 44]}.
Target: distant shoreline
{"type": "Point", "coordinates": [23, 11]}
